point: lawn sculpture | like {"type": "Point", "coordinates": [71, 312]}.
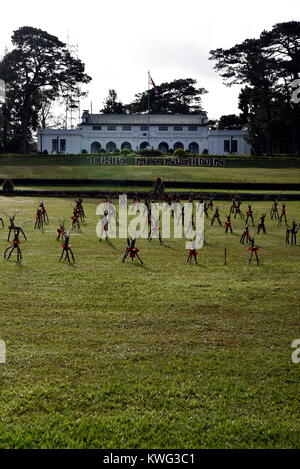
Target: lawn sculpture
{"type": "Point", "coordinates": [216, 216]}
{"type": "Point", "coordinates": [283, 215]}
{"type": "Point", "coordinates": [238, 210]}
{"type": "Point", "coordinates": [293, 232]}
{"type": "Point", "coordinates": [261, 224]}
{"type": "Point", "coordinates": [245, 235]}
{"type": "Point", "coordinates": [211, 204]}
{"type": "Point", "coordinates": [66, 249]}
{"type": "Point", "coordinates": [233, 207]}
{"type": "Point", "coordinates": [205, 208]}
{"type": "Point", "coordinates": [193, 254]}
{"type": "Point", "coordinates": [131, 251]}
{"type": "Point", "coordinates": [13, 227]}
{"type": "Point", "coordinates": [154, 228]}
{"type": "Point", "coordinates": [80, 209]}
{"type": "Point", "coordinates": [75, 220]}
{"type": "Point", "coordinates": [228, 224]}
{"type": "Point", "coordinates": [249, 215]}
{"type": "Point", "coordinates": [39, 220]}
{"type": "Point", "coordinates": [61, 231]}
{"type": "Point", "coordinates": [253, 249]}
{"type": "Point", "coordinates": [104, 225]}
{"type": "Point", "coordinates": [158, 189]}
{"type": "Point", "coordinates": [44, 213]}
{"type": "Point", "coordinates": [2, 222]}
{"type": "Point", "coordinates": [14, 245]}
{"type": "Point", "coordinates": [274, 211]}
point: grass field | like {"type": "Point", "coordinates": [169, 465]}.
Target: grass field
{"type": "Point", "coordinates": [288, 174]}
{"type": "Point", "coordinates": [102, 354]}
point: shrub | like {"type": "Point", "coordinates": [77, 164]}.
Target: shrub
{"type": "Point", "coordinates": [150, 152]}
{"type": "Point", "coordinates": [8, 186]}
{"type": "Point", "coordinates": [126, 151]}
{"type": "Point", "coordinates": [205, 151]}
{"type": "Point", "coordinates": [179, 152]}
{"type": "Point", "coordinates": [83, 152]}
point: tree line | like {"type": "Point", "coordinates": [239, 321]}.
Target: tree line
{"type": "Point", "coordinates": [40, 69]}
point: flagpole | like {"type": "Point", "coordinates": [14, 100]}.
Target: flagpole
{"type": "Point", "coordinates": [148, 108]}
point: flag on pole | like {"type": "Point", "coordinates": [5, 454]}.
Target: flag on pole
{"type": "Point", "coordinates": [151, 84]}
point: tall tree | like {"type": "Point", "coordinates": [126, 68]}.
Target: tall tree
{"type": "Point", "coordinates": [38, 69]}
{"type": "Point", "coordinates": [230, 122]}
{"type": "Point", "coordinates": [112, 105]}
{"type": "Point", "coordinates": [176, 97]}
{"type": "Point", "coordinates": [267, 66]}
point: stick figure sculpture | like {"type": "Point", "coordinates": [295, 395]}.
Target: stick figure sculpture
{"type": "Point", "coordinates": [210, 204]}
{"type": "Point", "coordinates": [274, 211]}
{"type": "Point", "coordinates": [245, 235]}
{"type": "Point", "coordinates": [249, 214]}
{"type": "Point", "coordinates": [154, 228]}
{"type": "Point", "coordinates": [60, 231]}
{"type": "Point", "coordinates": [104, 225]}
{"type": "Point", "coordinates": [253, 249]}
{"type": "Point", "coordinates": [75, 220]}
{"type": "Point", "coordinates": [80, 210]}
{"type": "Point", "coordinates": [44, 213]}
{"type": "Point", "coordinates": [15, 245]}
{"type": "Point", "coordinates": [233, 207]}
{"type": "Point", "coordinates": [293, 232]}
{"type": "Point", "coordinates": [228, 224]}
{"type": "Point", "coordinates": [205, 207]}
{"type": "Point", "coordinates": [131, 251]}
{"type": "Point", "coordinates": [39, 220]}
{"type": "Point", "coordinates": [283, 215]}
{"type": "Point", "coordinates": [2, 222]}
{"type": "Point", "coordinates": [238, 210]}
{"type": "Point", "coordinates": [261, 224]}
{"type": "Point", "coordinates": [66, 250]}
{"type": "Point", "coordinates": [193, 253]}
{"type": "Point", "coordinates": [13, 227]}
{"type": "Point", "coordinates": [216, 216]}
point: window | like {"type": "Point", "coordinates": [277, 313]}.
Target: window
{"type": "Point", "coordinates": [62, 144]}
{"type": "Point", "coordinates": [111, 127]}
{"type": "Point", "coordinates": [178, 127]}
{"type": "Point", "coordinates": [126, 127]}
{"type": "Point", "coordinates": [226, 146]}
{"type": "Point", "coordinates": [230, 146]}
{"type": "Point", "coordinates": [126, 145]}
{"type": "Point", "coordinates": [96, 127]}
{"type": "Point", "coordinates": [233, 146]}
{"type": "Point", "coordinates": [54, 144]}
{"type": "Point", "coordinates": [192, 128]}
{"type": "Point", "coordinates": [162, 127]}
{"type": "Point", "coordinates": [163, 147]}
{"type": "Point", "coordinates": [144, 127]}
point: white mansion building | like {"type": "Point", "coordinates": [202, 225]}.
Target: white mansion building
{"type": "Point", "coordinates": [140, 131]}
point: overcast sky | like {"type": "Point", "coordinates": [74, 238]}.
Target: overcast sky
{"type": "Point", "coordinates": [119, 41]}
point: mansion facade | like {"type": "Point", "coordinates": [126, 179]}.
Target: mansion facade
{"type": "Point", "coordinates": [164, 132]}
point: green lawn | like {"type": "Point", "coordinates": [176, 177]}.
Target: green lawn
{"type": "Point", "coordinates": [165, 355]}
{"type": "Point", "coordinates": [255, 174]}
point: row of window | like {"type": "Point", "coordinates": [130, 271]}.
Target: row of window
{"type": "Point", "coordinates": [59, 145]}
{"type": "Point", "coordinates": [111, 147]}
{"type": "Point", "coordinates": [230, 146]}
{"type": "Point", "coordinates": [162, 128]}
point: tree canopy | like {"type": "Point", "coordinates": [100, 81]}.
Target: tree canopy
{"type": "Point", "coordinates": [38, 70]}
{"type": "Point", "coordinates": [176, 97]}
{"type": "Point", "coordinates": [267, 68]}
{"type": "Point", "coordinates": [112, 105]}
